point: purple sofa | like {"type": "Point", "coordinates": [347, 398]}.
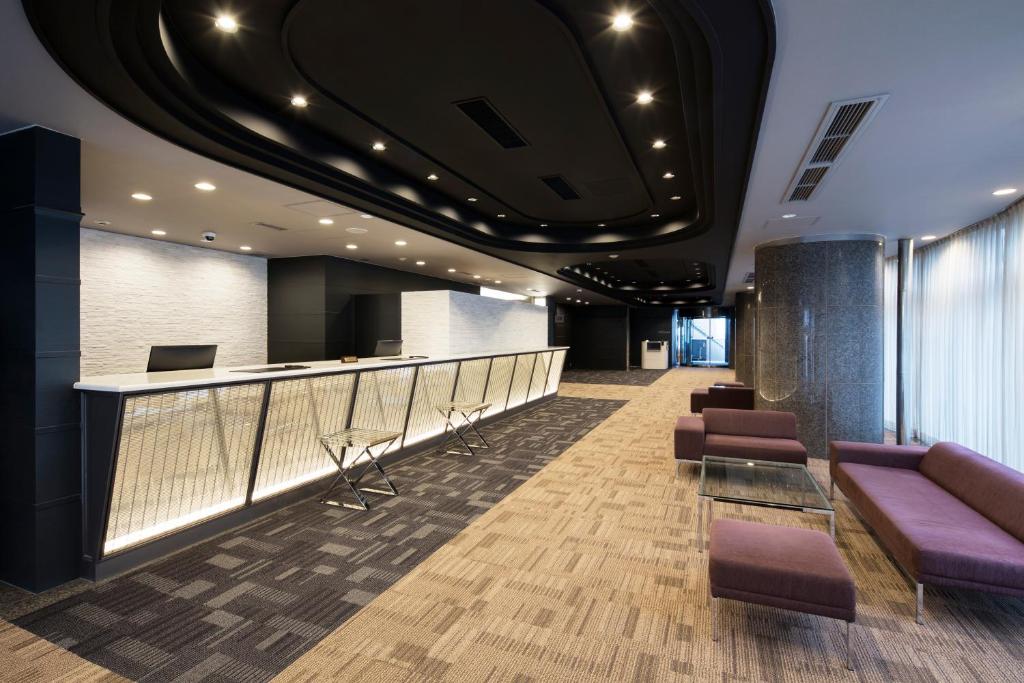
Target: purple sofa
{"type": "Point", "coordinates": [745, 434]}
{"type": "Point", "coordinates": [722, 395]}
{"type": "Point", "coordinates": [949, 516]}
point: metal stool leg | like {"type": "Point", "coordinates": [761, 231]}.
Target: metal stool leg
{"type": "Point", "coordinates": [458, 433]}
{"type": "Point", "coordinates": [472, 425]}
{"type": "Point", "coordinates": [391, 490]}
{"type": "Point", "coordinates": [343, 476]}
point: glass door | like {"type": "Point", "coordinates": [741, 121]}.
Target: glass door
{"type": "Point", "coordinates": [704, 342]}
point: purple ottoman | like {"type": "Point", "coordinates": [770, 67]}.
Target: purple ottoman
{"type": "Point", "coordinates": [785, 567]}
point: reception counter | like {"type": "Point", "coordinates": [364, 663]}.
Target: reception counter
{"type": "Point", "coordinates": [174, 457]}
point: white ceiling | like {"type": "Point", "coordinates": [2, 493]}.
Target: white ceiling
{"type": "Point", "coordinates": [119, 158]}
{"type": "Point", "coordinates": [951, 132]}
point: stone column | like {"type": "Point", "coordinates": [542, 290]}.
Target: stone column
{"type": "Point", "coordinates": [746, 309]}
{"type": "Point", "coordinates": [819, 336]}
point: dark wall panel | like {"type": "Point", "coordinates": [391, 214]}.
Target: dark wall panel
{"type": "Point", "coordinates": [653, 324]}
{"type": "Point", "coordinates": [599, 335]}
{"type": "Point", "coordinates": [314, 305]}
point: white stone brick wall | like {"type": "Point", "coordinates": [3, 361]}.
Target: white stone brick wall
{"type": "Point", "coordinates": [139, 292]}
{"type": "Point", "coordinates": [445, 322]}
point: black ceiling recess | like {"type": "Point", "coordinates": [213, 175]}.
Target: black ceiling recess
{"type": "Point", "coordinates": [529, 107]}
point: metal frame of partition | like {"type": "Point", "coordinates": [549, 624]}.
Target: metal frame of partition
{"type": "Point", "coordinates": [104, 425]}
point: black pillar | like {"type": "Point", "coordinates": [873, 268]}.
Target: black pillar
{"type": "Point", "coordinates": [40, 461]}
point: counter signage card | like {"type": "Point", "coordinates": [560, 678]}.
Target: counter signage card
{"type": "Point", "coordinates": [349, 359]}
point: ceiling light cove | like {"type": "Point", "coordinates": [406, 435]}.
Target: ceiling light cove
{"type": "Point", "coordinates": [141, 196]}
{"type": "Point", "coordinates": [1005, 191]}
{"type": "Point", "coordinates": [623, 21]}
{"type": "Point", "coordinates": [205, 186]}
{"type": "Point", "coordinates": [226, 23]}
{"type": "Point", "coordinates": [299, 101]}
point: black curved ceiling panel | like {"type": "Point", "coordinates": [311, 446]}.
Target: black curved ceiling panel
{"type": "Point", "coordinates": [510, 126]}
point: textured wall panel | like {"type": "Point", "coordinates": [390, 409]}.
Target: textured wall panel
{"type": "Point", "coordinates": [300, 411]}
{"type": "Point", "coordinates": [434, 386]}
{"type": "Point", "coordinates": [555, 376]}
{"type": "Point", "coordinates": [184, 457]}
{"type": "Point", "coordinates": [139, 292]}
{"type": "Point", "coordinates": [498, 384]}
{"type": "Point", "coordinates": [521, 379]}
{"type": "Point", "coordinates": [446, 322]}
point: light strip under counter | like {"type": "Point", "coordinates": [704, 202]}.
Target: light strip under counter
{"type": "Point", "coordinates": [170, 452]}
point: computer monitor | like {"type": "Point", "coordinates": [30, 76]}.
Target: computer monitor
{"type": "Point", "coordinates": [195, 357]}
{"type": "Point", "coordinates": [388, 347]}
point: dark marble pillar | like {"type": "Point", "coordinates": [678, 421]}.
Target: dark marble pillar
{"type": "Point", "coordinates": [819, 336]}
{"type": "Point", "coordinates": [746, 309]}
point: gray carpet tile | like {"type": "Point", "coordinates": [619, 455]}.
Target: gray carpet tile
{"type": "Point", "coordinates": [636, 377]}
{"type": "Point", "coordinates": [244, 605]}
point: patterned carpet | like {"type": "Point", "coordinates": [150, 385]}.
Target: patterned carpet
{"type": "Point", "coordinates": [636, 378]}
{"type": "Point", "coordinates": [242, 606]}
{"type": "Point", "coordinates": [590, 571]}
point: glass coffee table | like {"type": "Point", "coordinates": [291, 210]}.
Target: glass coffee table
{"type": "Point", "coordinates": [781, 485]}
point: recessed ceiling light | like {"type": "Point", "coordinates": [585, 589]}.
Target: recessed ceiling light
{"type": "Point", "coordinates": [432, 177]}
{"type": "Point", "coordinates": [365, 215]}
{"type": "Point", "coordinates": [356, 231]}
{"type": "Point", "coordinates": [613, 256]}
{"type": "Point", "coordinates": [451, 270]}
{"type": "Point", "coordinates": [600, 225]}
{"type": "Point", "coordinates": [644, 97]}
{"type": "Point", "coordinates": [668, 175]}
{"type": "Point", "coordinates": [159, 233]}
{"type": "Point", "coordinates": [402, 258]}
{"type": "Point", "coordinates": [226, 23]}
{"type": "Point", "coordinates": [750, 286]}
{"type": "Point", "coordinates": [789, 215]}
{"type": "Point", "coordinates": [655, 215]}
{"type": "Point", "coordinates": [497, 282]}
{"type": "Point", "coordinates": [141, 196]}
{"type": "Point", "coordinates": [205, 186]}
{"type": "Point", "coordinates": [586, 303]}
{"type": "Point", "coordinates": [659, 144]}
{"type": "Point", "coordinates": [400, 243]}
{"type": "Point", "coordinates": [471, 199]}
{"type": "Point", "coordinates": [351, 246]}
{"type": "Point", "coordinates": [568, 298]}
{"type": "Point", "coordinates": [245, 247]}
{"type": "Point", "coordinates": [928, 237]}
{"type": "Point", "coordinates": [501, 215]}
{"type": "Point", "coordinates": [577, 300]}
{"type": "Point", "coordinates": [102, 222]}
{"type": "Point", "coordinates": [326, 221]}
{"type": "Point", "coordinates": [623, 21]}
{"type": "Point", "coordinates": [675, 198]}
{"type": "Point", "coordinates": [421, 263]}
{"type": "Point", "coordinates": [543, 225]}
{"type": "Point", "coordinates": [299, 101]}
{"type": "Point", "coordinates": [476, 277]}
{"type": "Point", "coordinates": [1005, 190]}
{"type": "Point", "coordinates": [379, 146]}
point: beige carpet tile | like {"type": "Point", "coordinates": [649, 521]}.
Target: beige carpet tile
{"type": "Point", "coordinates": [591, 571]}
{"type": "Point", "coordinates": [27, 657]}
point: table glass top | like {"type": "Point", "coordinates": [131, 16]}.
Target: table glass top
{"type": "Point", "coordinates": [759, 482]}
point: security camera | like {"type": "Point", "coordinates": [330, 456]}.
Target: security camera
{"type": "Point", "coordinates": [209, 236]}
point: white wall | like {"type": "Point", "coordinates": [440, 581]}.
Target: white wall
{"type": "Point", "coordinates": [445, 322]}
{"type": "Point", "coordinates": [139, 292]}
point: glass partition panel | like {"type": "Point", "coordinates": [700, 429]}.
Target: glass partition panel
{"type": "Point", "coordinates": [521, 379]}
{"type": "Point", "coordinates": [183, 457]}
{"type": "Point", "coordinates": [498, 384]}
{"type": "Point", "coordinates": [434, 386]}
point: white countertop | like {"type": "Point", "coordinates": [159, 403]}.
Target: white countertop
{"type": "Point", "coordinates": [151, 381]}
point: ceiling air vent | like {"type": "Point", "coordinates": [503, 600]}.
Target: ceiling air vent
{"type": "Point", "coordinates": [493, 123]}
{"type": "Point", "coordinates": [843, 122]}
{"type": "Point", "coordinates": [749, 279]}
{"type": "Point", "coordinates": [560, 186]}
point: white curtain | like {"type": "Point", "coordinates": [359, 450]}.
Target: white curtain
{"type": "Point", "coordinates": [889, 342]}
{"type": "Point", "coordinates": [967, 344]}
